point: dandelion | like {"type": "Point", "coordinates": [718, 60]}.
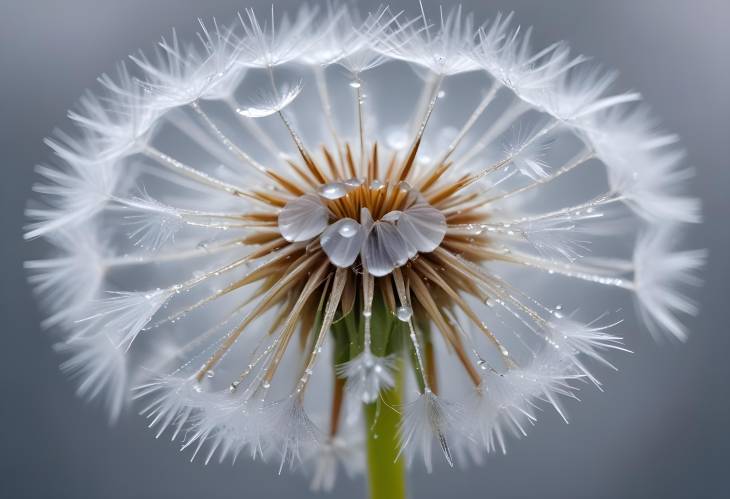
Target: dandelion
{"type": "Point", "coordinates": [318, 239]}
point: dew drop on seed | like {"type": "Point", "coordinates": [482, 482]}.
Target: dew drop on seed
{"type": "Point", "coordinates": [353, 182]}
{"type": "Point", "coordinates": [348, 228]}
{"type": "Point", "coordinates": [404, 313]}
{"type": "Point", "coordinates": [332, 190]}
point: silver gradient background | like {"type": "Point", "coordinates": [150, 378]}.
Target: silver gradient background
{"type": "Point", "coordinates": [660, 428]}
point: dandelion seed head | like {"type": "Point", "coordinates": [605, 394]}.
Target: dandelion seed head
{"type": "Point", "coordinates": [257, 232]}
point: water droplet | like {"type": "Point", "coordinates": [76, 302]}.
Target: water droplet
{"type": "Point", "coordinates": [482, 364]}
{"type": "Point", "coordinates": [197, 388]}
{"type": "Point", "coordinates": [233, 386]}
{"type": "Point", "coordinates": [348, 228]}
{"type": "Point", "coordinates": [355, 84]}
{"type": "Point", "coordinates": [332, 190]}
{"type": "Point", "coordinates": [210, 373]}
{"type": "Point", "coordinates": [353, 182]}
{"type": "Point", "coordinates": [367, 313]}
{"type": "Point", "coordinates": [376, 184]}
{"type": "Point", "coordinates": [404, 313]}
{"type": "Point", "coordinates": [489, 302]}
{"type": "Point", "coordinates": [441, 94]}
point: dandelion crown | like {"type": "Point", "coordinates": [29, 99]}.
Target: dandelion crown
{"type": "Point", "coordinates": [304, 233]}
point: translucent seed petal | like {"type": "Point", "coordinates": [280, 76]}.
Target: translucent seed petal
{"type": "Point", "coordinates": [303, 218]}
{"type": "Point", "coordinates": [342, 241]}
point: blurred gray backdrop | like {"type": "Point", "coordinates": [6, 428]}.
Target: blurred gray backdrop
{"type": "Point", "coordinates": [660, 428]}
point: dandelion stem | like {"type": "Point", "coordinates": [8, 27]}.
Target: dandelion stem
{"type": "Point", "coordinates": [386, 473]}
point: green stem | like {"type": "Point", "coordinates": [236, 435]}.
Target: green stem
{"type": "Point", "coordinates": [386, 474]}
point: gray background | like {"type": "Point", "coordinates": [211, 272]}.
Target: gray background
{"type": "Point", "coordinates": [660, 428]}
